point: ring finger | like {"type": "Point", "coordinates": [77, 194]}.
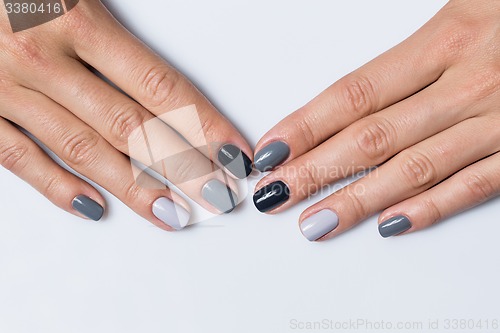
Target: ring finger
{"type": "Point", "coordinates": [411, 172]}
{"type": "Point", "coordinates": [366, 143]}
{"type": "Point", "coordinates": [89, 154]}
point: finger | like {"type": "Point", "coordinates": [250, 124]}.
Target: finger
{"type": "Point", "coordinates": [136, 132]}
{"type": "Point", "coordinates": [375, 139]}
{"type": "Point", "coordinates": [411, 172]}
{"type": "Point", "coordinates": [147, 78]}
{"type": "Point", "coordinates": [25, 159]}
{"type": "Point", "coordinates": [86, 152]}
{"type": "Point", "coordinates": [464, 190]}
{"type": "Point", "coordinates": [391, 77]}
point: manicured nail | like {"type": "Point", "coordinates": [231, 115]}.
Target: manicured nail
{"type": "Point", "coordinates": [220, 196]}
{"type": "Point", "coordinates": [171, 213]}
{"type": "Point", "coordinates": [319, 224]}
{"type": "Point", "coordinates": [394, 226]}
{"type": "Point", "coordinates": [235, 161]}
{"type": "Point", "coordinates": [271, 156]}
{"type": "Point", "coordinates": [88, 207]}
{"type": "Point", "coordinates": [271, 196]}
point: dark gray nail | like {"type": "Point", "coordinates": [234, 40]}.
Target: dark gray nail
{"type": "Point", "coordinates": [319, 224]}
{"type": "Point", "coordinates": [271, 156]}
{"type": "Point", "coordinates": [394, 226]}
{"type": "Point", "coordinates": [88, 207]}
{"type": "Point", "coordinates": [219, 195]}
{"type": "Point", "coordinates": [235, 161]}
{"type": "Point", "coordinates": [271, 196]}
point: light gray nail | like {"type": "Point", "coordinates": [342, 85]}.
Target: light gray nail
{"type": "Point", "coordinates": [88, 207]}
{"type": "Point", "coordinates": [319, 224]}
{"type": "Point", "coordinates": [271, 156]}
{"type": "Point", "coordinates": [394, 226]}
{"type": "Point", "coordinates": [170, 213]}
{"type": "Point", "coordinates": [219, 195]}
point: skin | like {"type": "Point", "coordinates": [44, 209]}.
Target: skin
{"type": "Point", "coordinates": [427, 112]}
{"type": "Point", "coordinates": [46, 87]}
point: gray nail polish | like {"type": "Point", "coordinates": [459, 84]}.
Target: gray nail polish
{"type": "Point", "coordinates": [319, 224]}
{"type": "Point", "coordinates": [170, 213]}
{"type": "Point", "coordinates": [219, 195]}
{"type": "Point", "coordinates": [88, 207]}
{"type": "Point", "coordinates": [394, 226]}
{"type": "Point", "coordinates": [271, 156]}
{"type": "Point", "coordinates": [235, 161]}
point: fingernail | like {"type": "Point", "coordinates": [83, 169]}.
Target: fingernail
{"type": "Point", "coordinates": [171, 213]}
{"type": "Point", "coordinates": [271, 196]}
{"type": "Point", "coordinates": [319, 224]}
{"type": "Point", "coordinates": [394, 226]}
{"type": "Point", "coordinates": [88, 207]}
{"type": "Point", "coordinates": [220, 196]}
{"type": "Point", "coordinates": [271, 156]}
{"type": "Point", "coordinates": [235, 161]}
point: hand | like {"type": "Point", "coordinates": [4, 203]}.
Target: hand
{"type": "Point", "coordinates": [428, 110]}
{"type": "Point", "coordinates": [46, 89]}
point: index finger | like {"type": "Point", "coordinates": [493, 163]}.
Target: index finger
{"type": "Point", "coordinates": [107, 46]}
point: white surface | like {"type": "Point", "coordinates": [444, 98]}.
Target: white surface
{"type": "Point", "coordinates": [246, 272]}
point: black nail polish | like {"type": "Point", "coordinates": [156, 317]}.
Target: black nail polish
{"type": "Point", "coordinates": [271, 196]}
{"type": "Point", "coordinates": [88, 207]}
{"type": "Point", "coordinates": [235, 161]}
{"type": "Point", "coordinates": [394, 226]}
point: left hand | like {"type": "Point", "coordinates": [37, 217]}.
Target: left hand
{"type": "Point", "coordinates": [429, 109]}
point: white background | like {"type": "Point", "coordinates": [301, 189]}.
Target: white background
{"type": "Point", "coordinates": [246, 272]}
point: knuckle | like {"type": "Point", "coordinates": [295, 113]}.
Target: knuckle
{"type": "Point", "coordinates": [158, 86]}
{"type": "Point", "coordinates": [132, 192]}
{"type": "Point", "coordinates": [123, 121]}
{"type": "Point", "coordinates": [376, 139]}
{"type": "Point", "coordinates": [418, 170]}
{"type": "Point", "coordinates": [312, 178]}
{"type": "Point", "coordinates": [483, 84]}
{"type": "Point", "coordinates": [456, 41]}
{"type": "Point", "coordinates": [28, 53]}
{"type": "Point", "coordinates": [359, 95]}
{"type": "Point", "coordinates": [80, 148]}
{"type": "Point", "coordinates": [480, 187]}
{"type": "Point", "coordinates": [357, 205]}
{"type": "Point", "coordinates": [6, 85]}
{"type": "Point", "coordinates": [82, 22]}
{"type": "Point", "coordinates": [308, 133]}
{"type": "Point", "coordinates": [183, 173]}
{"type": "Point", "coordinates": [13, 157]}
{"type": "Point", "coordinates": [432, 209]}
{"type": "Point", "coordinates": [187, 166]}
{"type": "Point", "coordinates": [207, 126]}
{"type": "Point", "coordinates": [50, 187]}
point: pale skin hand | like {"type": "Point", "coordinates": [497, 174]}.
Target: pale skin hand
{"type": "Point", "coordinates": [47, 89]}
{"type": "Point", "coordinates": [427, 111]}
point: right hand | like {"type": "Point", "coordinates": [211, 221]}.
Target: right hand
{"type": "Point", "coordinates": [94, 128]}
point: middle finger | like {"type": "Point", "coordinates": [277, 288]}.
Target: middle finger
{"type": "Point", "coordinates": [367, 143]}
